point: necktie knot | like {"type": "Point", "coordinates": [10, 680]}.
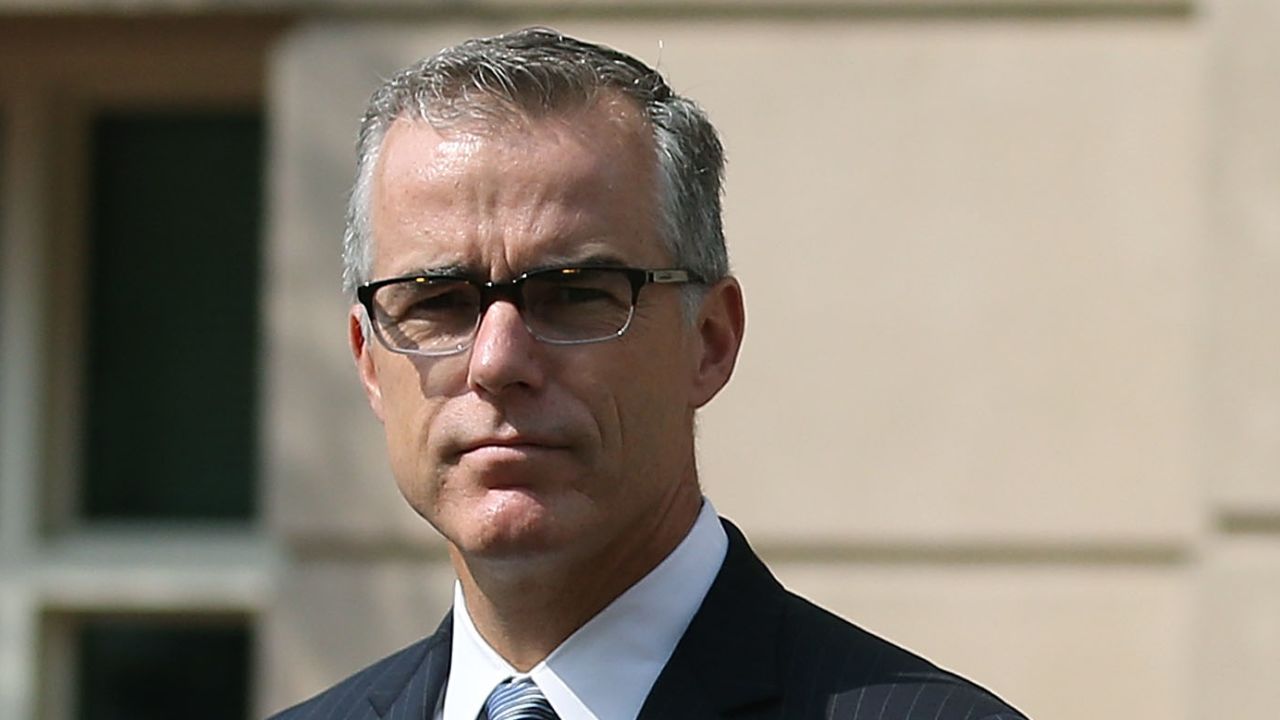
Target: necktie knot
{"type": "Point", "coordinates": [518, 700]}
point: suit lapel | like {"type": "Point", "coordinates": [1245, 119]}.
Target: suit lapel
{"type": "Point", "coordinates": [723, 665]}
{"type": "Point", "coordinates": [412, 694]}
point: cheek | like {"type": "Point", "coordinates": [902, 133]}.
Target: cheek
{"type": "Point", "coordinates": [412, 388]}
{"type": "Point", "coordinates": [401, 394]}
{"type": "Point", "coordinates": [650, 404]}
{"type": "Point", "coordinates": [408, 413]}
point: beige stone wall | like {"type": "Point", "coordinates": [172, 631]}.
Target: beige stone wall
{"type": "Point", "coordinates": [1008, 394]}
{"type": "Point", "coordinates": [1238, 655]}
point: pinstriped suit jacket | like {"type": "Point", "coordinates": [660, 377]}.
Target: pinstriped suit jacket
{"type": "Point", "coordinates": [753, 651]}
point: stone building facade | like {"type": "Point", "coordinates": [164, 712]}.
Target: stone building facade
{"type": "Point", "coordinates": [1009, 394]}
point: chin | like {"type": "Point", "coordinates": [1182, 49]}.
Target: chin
{"type": "Point", "coordinates": [513, 522]}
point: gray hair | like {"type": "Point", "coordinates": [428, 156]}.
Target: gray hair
{"type": "Point", "coordinates": [534, 73]}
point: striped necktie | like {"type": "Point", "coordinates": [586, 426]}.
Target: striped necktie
{"type": "Point", "coordinates": [518, 700]}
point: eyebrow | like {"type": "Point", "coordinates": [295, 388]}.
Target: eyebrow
{"type": "Point", "coordinates": [451, 271]}
{"type": "Point", "coordinates": [462, 272]}
{"type": "Point", "coordinates": [591, 260]}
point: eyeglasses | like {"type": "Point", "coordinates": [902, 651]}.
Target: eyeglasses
{"type": "Point", "coordinates": [437, 314]}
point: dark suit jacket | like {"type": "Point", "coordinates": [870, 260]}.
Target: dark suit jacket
{"type": "Point", "coordinates": [753, 650]}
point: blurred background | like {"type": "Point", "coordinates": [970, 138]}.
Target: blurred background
{"type": "Point", "coordinates": [1010, 392]}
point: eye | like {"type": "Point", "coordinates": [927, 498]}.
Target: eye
{"type": "Point", "coordinates": [444, 298]}
{"type": "Point", "coordinates": [577, 287]}
{"type": "Point", "coordinates": [572, 294]}
{"type": "Point", "coordinates": [426, 299]}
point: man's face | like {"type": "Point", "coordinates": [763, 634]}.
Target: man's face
{"type": "Point", "coordinates": [518, 448]}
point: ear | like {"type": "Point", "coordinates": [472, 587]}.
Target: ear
{"type": "Point", "coordinates": [721, 323]}
{"type": "Point", "coordinates": [361, 350]}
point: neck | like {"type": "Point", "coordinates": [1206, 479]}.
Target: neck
{"type": "Point", "coordinates": [527, 607]}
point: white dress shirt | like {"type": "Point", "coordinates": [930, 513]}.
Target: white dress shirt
{"type": "Point", "coordinates": [605, 669]}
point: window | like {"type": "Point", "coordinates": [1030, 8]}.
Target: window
{"type": "Point", "coordinates": [139, 668]}
{"type": "Point", "coordinates": [131, 191]}
{"type": "Point", "coordinates": [171, 316]}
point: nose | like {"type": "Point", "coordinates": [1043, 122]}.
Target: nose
{"type": "Point", "coordinates": [504, 355]}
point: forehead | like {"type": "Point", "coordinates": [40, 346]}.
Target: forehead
{"type": "Point", "coordinates": [526, 193]}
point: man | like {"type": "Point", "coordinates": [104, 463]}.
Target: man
{"type": "Point", "coordinates": [543, 303]}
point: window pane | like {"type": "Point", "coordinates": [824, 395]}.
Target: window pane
{"type": "Point", "coordinates": [172, 316]}
{"type": "Point", "coordinates": [145, 669]}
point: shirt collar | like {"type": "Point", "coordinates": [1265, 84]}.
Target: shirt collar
{"type": "Point", "coordinates": [606, 668]}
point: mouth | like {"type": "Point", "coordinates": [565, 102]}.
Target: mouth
{"type": "Point", "coordinates": [516, 464]}
{"type": "Point", "coordinates": [513, 445]}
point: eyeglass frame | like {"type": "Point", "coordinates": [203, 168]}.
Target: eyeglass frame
{"type": "Point", "coordinates": [491, 291]}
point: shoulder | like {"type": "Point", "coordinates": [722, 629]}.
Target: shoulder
{"type": "Point", "coordinates": [350, 699]}
{"type": "Point", "coordinates": [860, 675]}
{"type": "Point", "coordinates": [819, 664]}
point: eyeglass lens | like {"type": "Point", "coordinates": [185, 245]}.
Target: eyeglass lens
{"type": "Point", "coordinates": [440, 315]}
